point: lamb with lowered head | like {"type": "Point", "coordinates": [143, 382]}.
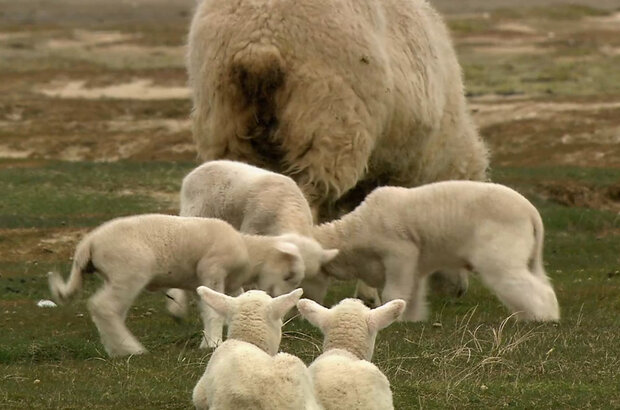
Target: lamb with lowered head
{"type": "Point", "coordinates": [254, 201]}
{"type": "Point", "coordinates": [161, 251]}
{"type": "Point", "coordinates": [399, 236]}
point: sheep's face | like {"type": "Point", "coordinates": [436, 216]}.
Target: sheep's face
{"type": "Point", "coordinates": [350, 325]}
{"type": "Point", "coordinates": [253, 317]}
{"type": "Point", "coordinates": [312, 253]}
{"type": "Point", "coordinates": [282, 269]}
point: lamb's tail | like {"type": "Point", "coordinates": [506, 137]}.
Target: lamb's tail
{"type": "Point", "coordinates": [61, 291]}
{"type": "Point", "coordinates": [258, 73]}
{"type": "Point", "coordinates": [536, 259]}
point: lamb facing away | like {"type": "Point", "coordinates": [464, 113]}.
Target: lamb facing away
{"type": "Point", "coordinates": [343, 376]}
{"type": "Point", "coordinates": [258, 202]}
{"type": "Point", "coordinates": [245, 372]}
{"type": "Point", "coordinates": [398, 236]}
{"type": "Point", "coordinates": [336, 94]}
{"type": "Point", "coordinates": [159, 251]}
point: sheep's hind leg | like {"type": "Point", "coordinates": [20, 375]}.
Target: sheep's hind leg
{"type": "Point", "coordinates": [108, 309]}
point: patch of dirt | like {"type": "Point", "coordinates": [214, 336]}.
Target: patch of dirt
{"type": "Point", "coordinates": [39, 245]}
{"type": "Point", "coordinates": [573, 194]}
{"type": "Point", "coordinates": [494, 110]}
{"type": "Point", "coordinates": [139, 89]}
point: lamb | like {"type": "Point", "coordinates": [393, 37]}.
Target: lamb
{"type": "Point", "coordinates": [342, 96]}
{"type": "Point", "coordinates": [245, 372]}
{"type": "Point", "coordinates": [398, 236]}
{"type": "Point", "coordinates": [343, 376]}
{"type": "Point", "coordinates": [160, 251]}
{"type": "Point", "coordinates": [254, 201]}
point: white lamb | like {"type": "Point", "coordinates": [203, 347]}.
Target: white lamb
{"type": "Point", "coordinates": [245, 372]}
{"type": "Point", "coordinates": [159, 251]}
{"type": "Point", "coordinates": [254, 201]}
{"type": "Point", "coordinates": [337, 94]}
{"type": "Point", "coordinates": [343, 376]}
{"type": "Point", "coordinates": [398, 236]}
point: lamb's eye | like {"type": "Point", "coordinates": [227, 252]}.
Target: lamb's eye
{"type": "Point", "coordinates": [290, 276]}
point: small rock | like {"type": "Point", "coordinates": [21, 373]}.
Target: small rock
{"type": "Point", "coordinates": [437, 324]}
{"type": "Point", "coordinates": [37, 381]}
{"type": "Point", "coordinates": [483, 387]}
{"type": "Point", "coordinates": [45, 303]}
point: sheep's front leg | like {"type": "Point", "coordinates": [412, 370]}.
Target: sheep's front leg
{"type": "Point", "coordinates": [212, 277]}
{"type": "Point", "coordinates": [402, 281]}
{"type": "Point", "coordinates": [212, 321]}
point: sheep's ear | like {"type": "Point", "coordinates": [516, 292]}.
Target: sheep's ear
{"type": "Point", "coordinates": [220, 302]}
{"type": "Point", "coordinates": [282, 304]}
{"type": "Point", "coordinates": [383, 316]}
{"type": "Point", "coordinates": [288, 248]}
{"type": "Point", "coordinates": [328, 255]}
{"type": "Point", "coordinates": [313, 312]}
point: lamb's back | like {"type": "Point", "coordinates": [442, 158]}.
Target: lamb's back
{"type": "Point", "coordinates": [341, 381]}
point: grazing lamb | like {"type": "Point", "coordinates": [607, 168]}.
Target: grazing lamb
{"type": "Point", "coordinates": [159, 251]}
{"type": "Point", "coordinates": [258, 202]}
{"type": "Point", "coordinates": [337, 94]}
{"type": "Point", "coordinates": [245, 372]}
{"type": "Point", "coordinates": [398, 236]}
{"type": "Point", "coordinates": [343, 376]}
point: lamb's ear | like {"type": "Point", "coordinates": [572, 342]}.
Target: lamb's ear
{"type": "Point", "coordinates": [288, 248]}
{"type": "Point", "coordinates": [313, 312]}
{"type": "Point", "coordinates": [383, 316]}
{"type": "Point", "coordinates": [328, 255]}
{"type": "Point", "coordinates": [220, 302]}
{"type": "Point", "coordinates": [282, 304]}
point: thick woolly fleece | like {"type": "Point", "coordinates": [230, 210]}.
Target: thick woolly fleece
{"type": "Point", "coordinates": [245, 372]}
{"type": "Point", "coordinates": [158, 251]}
{"type": "Point", "coordinates": [343, 376]}
{"type": "Point", "coordinates": [397, 237]}
{"type": "Point", "coordinates": [336, 94]}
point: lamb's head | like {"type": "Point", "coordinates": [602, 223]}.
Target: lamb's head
{"type": "Point", "coordinates": [254, 316]}
{"type": "Point", "coordinates": [351, 325]}
{"type": "Point", "coordinates": [281, 268]}
{"type": "Point", "coordinates": [311, 251]}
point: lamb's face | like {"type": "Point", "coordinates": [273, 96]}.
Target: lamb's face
{"type": "Point", "coordinates": [282, 270]}
{"type": "Point", "coordinates": [312, 253]}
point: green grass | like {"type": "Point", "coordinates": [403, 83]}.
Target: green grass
{"type": "Point", "coordinates": [468, 355]}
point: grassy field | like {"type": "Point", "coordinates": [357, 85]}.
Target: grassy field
{"type": "Point", "coordinates": [469, 353]}
{"type": "Point", "coordinates": [545, 92]}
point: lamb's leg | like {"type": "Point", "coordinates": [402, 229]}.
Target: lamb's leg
{"type": "Point", "coordinates": [402, 281]}
{"type": "Point", "coordinates": [449, 281]}
{"type": "Point", "coordinates": [176, 303]}
{"type": "Point", "coordinates": [108, 309]}
{"type": "Point", "coordinates": [417, 307]}
{"type": "Point", "coordinates": [212, 276]}
{"type": "Point", "coordinates": [530, 296]}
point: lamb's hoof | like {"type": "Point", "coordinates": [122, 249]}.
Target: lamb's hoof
{"type": "Point", "coordinates": [210, 344]}
{"type": "Point", "coordinates": [127, 352]}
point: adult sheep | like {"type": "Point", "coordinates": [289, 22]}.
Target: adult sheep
{"type": "Point", "coordinates": [337, 94]}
